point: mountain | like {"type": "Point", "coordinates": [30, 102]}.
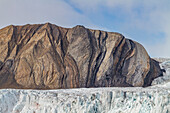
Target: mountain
{"type": "Point", "coordinates": [46, 56]}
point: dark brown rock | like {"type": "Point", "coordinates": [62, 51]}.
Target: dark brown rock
{"type": "Point", "coordinates": [50, 57]}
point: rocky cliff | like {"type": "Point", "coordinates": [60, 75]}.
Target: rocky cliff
{"type": "Point", "coordinates": [47, 56]}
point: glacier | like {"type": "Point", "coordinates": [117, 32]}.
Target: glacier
{"type": "Point", "coordinates": [86, 100]}
{"type": "Point", "coordinates": [153, 99]}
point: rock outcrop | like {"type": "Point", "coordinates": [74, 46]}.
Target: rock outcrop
{"type": "Point", "coordinates": [47, 56]}
{"type": "Point", "coordinates": [165, 66]}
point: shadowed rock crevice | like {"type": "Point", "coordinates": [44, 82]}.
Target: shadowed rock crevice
{"type": "Point", "coordinates": [46, 56]}
{"type": "Point", "coordinates": [154, 72]}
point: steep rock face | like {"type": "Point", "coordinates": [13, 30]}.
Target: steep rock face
{"type": "Point", "coordinates": [165, 66]}
{"type": "Point", "coordinates": [48, 57]}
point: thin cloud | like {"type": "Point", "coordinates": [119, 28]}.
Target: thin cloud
{"type": "Point", "coordinates": [39, 11]}
{"type": "Point", "coordinates": [148, 16]}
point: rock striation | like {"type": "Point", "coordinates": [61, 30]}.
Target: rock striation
{"type": "Point", "coordinates": [46, 56]}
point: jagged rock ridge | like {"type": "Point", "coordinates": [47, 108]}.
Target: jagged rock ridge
{"type": "Point", "coordinates": [47, 56]}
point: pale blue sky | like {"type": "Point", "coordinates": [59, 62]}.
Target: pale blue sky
{"type": "Point", "coordinates": [145, 21]}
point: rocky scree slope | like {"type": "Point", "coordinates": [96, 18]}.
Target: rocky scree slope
{"type": "Point", "coordinates": [47, 56]}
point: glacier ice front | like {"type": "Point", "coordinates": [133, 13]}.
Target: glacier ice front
{"type": "Point", "coordinates": [86, 100]}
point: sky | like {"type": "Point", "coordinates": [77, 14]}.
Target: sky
{"type": "Point", "coordinates": [145, 21]}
